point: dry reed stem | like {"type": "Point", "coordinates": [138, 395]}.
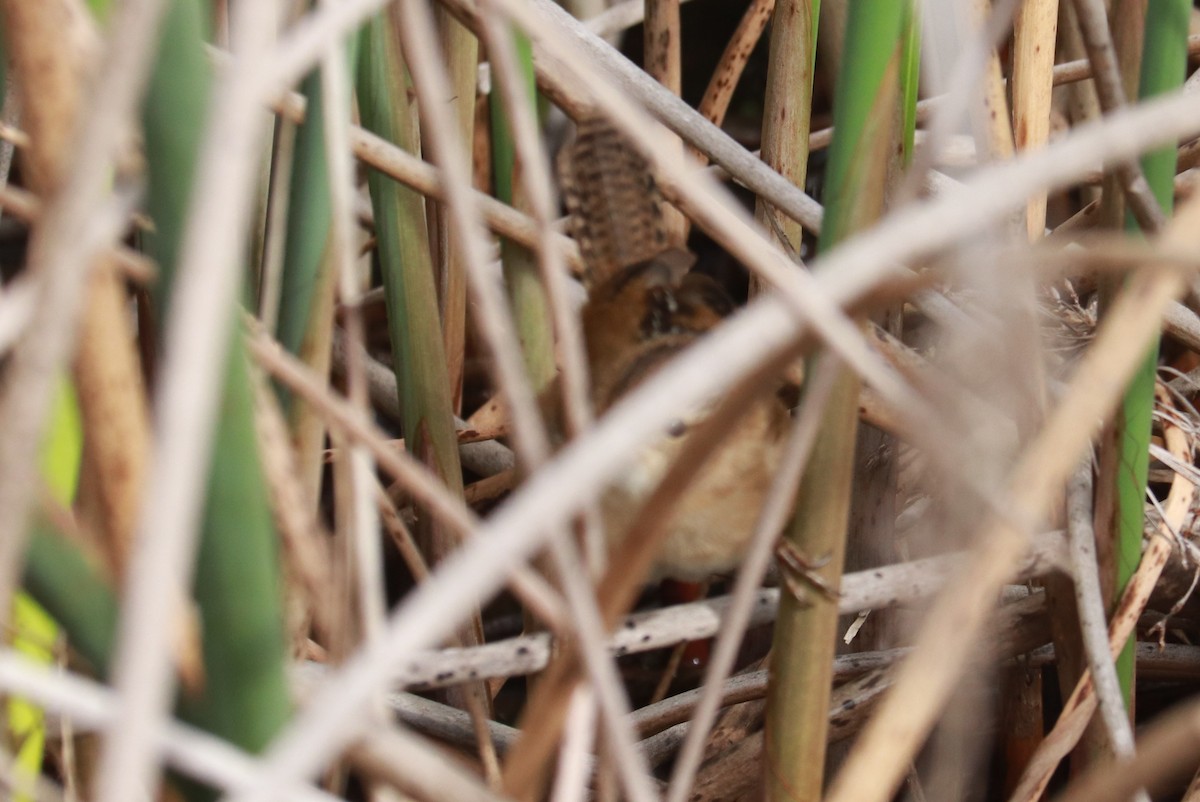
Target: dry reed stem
{"type": "Point", "coordinates": [1000, 143]}
{"type": "Point", "coordinates": [663, 61]}
{"type": "Point", "coordinates": [461, 49]}
{"type": "Point", "coordinates": [274, 235]}
{"type": "Point", "coordinates": [112, 400]}
{"type": "Point", "coordinates": [663, 43]}
{"type": "Point", "coordinates": [1035, 29]}
{"type": "Point", "coordinates": [787, 107]}
{"type": "Point", "coordinates": [733, 61]}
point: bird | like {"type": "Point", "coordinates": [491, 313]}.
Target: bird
{"type": "Point", "coordinates": [646, 304]}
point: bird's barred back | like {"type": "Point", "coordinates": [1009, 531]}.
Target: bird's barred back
{"type": "Point", "coordinates": [616, 210]}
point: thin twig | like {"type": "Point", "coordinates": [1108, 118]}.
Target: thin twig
{"type": "Point", "coordinates": [1090, 605]}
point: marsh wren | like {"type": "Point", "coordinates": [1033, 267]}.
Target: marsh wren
{"type": "Point", "coordinates": [644, 307]}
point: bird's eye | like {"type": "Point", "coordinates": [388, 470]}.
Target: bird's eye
{"type": "Point", "coordinates": [677, 428]}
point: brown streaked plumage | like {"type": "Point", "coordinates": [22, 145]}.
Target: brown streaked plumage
{"type": "Point", "coordinates": [643, 308]}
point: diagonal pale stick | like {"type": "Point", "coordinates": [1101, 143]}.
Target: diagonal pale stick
{"type": "Point", "coordinates": [883, 753]}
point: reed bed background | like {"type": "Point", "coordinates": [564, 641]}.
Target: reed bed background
{"type": "Point", "coordinates": [287, 299]}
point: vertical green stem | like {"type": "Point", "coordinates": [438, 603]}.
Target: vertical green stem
{"type": "Point", "coordinates": [385, 101]}
{"type": "Point", "coordinates": [530, 308]}
{"type": "Point", "coordinates": [805, 632]}
{"type": "Point", "coordinates": [245, 697]}
{"type": "Point", "coordinates": [1164, 65]}
{"type": "Point", "coordinates": [309, 210]}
